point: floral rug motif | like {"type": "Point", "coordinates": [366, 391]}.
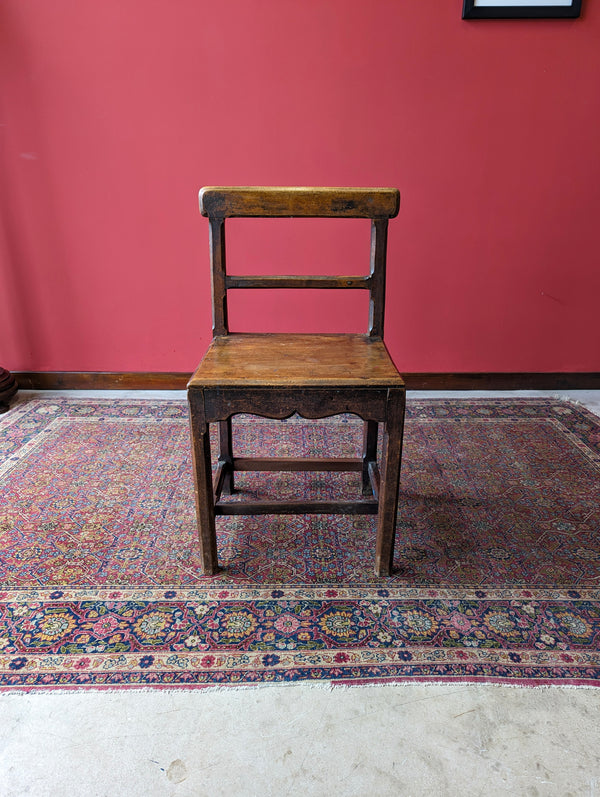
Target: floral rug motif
{"type": "Point", "coordinates": [496, 571]}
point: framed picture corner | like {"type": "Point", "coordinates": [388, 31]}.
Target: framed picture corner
{"type": "Point", "coordinates": [521, 9]}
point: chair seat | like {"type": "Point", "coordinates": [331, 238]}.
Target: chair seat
{"type": "Point", "coordinates": [298, 360]}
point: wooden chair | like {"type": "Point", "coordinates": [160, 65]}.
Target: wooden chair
{"type": "Point", "coordinates": [315, 375]}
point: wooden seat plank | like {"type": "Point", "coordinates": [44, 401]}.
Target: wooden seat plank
{"type": "Point", "coordinates": [256, 360]}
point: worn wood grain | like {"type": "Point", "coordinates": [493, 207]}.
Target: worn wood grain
{"type": "Point", "coordinates": [281, 360]}
{"type": "Point", "coordinates": [218, 276]}
{"type": "Point", "coordinates": [379, 230]}
{"type": "Point", "coordinates": [316, 402]}
{"type": "Point", "coordinates": [298, 282]}
{"type": "Point", "coordinates": [370, 437]}
{"type": "Point", "coordinates": [296, 507]}
{"type": "Point", "coordinates": [203, 485]}
{"type": "Point", "coordinates": [389, 483]}
{"type": "Point", "coordinates": [297, 464]}
{"type": "Point", "coordinates": [315, 202]}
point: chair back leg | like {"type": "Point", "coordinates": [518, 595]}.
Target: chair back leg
{"type": "Point", "coordinates": [226, 455]}
{"type": "Point", "coordinates": [390, 479]}
{"type": "Point", "coordinates": [369, 455]}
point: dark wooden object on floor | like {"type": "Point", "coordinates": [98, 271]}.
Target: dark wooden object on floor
{"type": "Point", "coordinates": [8, 388]}
{"type": "Point", "coordinates": [318, 375]}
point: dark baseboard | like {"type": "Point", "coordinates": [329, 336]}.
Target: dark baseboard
{"type": "Point", "coordinates": [101, 380]}
{"type": "Point", "coordinates": [88, 380]}
{"type": "Point", "coordinates": [504, 381]}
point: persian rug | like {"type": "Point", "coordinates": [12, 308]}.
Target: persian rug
{"type": "Point", "coordinates": [497, 561]}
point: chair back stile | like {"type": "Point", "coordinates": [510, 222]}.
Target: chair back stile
{"type": "Point", "coordinates": [218, 276]}
{"type": "Point", "coordinates": [376, 204]}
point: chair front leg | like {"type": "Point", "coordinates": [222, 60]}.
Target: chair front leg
{"type": "Point", "coordinates": [205, 506]}
{"type": "Point", "coordinates": [390, 478]}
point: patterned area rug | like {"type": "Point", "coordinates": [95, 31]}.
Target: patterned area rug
{"type": "Point", "coordinates": [497, 563]}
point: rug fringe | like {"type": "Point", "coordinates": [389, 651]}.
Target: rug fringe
{"type": "Point", "coordinates": [322, 686]}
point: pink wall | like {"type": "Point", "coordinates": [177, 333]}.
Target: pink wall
{"type": "Point", "coordinates": [113, 115]}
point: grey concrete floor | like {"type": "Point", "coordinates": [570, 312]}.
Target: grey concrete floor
{"type": "Point", "coordinates": [415, 739]}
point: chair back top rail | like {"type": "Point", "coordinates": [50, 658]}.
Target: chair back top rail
{"type": "Point", "coordinates": [281, 202]}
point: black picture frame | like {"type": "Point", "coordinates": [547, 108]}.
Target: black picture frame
{"type": "Point", "coordinates": [520, 9]}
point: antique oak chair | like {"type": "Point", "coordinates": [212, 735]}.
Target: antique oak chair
{"type": "Point", "coordinates": [315, 375]}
